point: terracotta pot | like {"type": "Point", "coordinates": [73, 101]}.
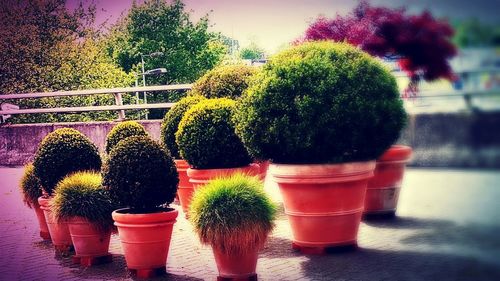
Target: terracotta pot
{"type": "Point", "coordinates": [263, 167]}
{"type": "Point", "coordinates": [323, 202]}
{"type": "Point", "coordinates": [145, 238]}
{"type": "Point", "coordinates": [383, 189]}
{"type": "Point", "coordinates": [59, 231]}
{"type": "Point", "coordinates": [87, 239]}
{"type": "Point", "coordinates": [237, 267]}
{"type": "Point", "coordinates": [200, 177]}
{"type": "Point", "coordinates": [185, 189]}
{"type": "Point", "coordinates": [44, 229]}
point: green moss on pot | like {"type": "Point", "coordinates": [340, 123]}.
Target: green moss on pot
{"type": "Point", "coordinates": [228, 81]}
{"type": "Point", "coordinates": [63, 152]}
{"type": "Point", "coordinates": [140, 174]}
{"type": "Point", "coordinates": [122, 131]}
{"type": "Point", "coordinates": [82, 195]}
{"type": "Point", "coordinates": [232, 214]}
{"type": "Point", "coordinates": [320, 102]}
{"type": "Point", "coordinates": [30, 185]}
{"type": "Point", "coordinates": [206, 136]}
{"type": "Point", "coordinates": [171, 121]}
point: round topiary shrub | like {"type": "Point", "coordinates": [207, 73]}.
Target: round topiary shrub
{"type": "Point", "coordinates": [63, 152]}
{"type": "Point", "coordinates": [228, 81]}
{"type": "Point", "coordinates": [232, 214]}
{"type": "Point", "coordinates": [31, 187]}
{"type": "Point", "coordinates": [320, 102]}
{"type": "Point", "coordinates": [171, 122]}
{"type": "Point", "coordinates": [140, 174]}
{"type": "Point", "coordinates": [206, 136]}
{"type": "Point", "coordinates": [82, 195]}
{"type": "Point", "coordinates": [122, 131]}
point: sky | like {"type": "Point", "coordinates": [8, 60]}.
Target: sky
{"type": "Point", "coordinates": [274, 23]}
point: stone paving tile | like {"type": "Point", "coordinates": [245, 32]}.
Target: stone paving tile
{"type": "Point", "coordinates": [417, 245]}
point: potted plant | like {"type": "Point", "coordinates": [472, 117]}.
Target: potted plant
{"type": "Point", "coordinates": [140, 175]}
{"type": "Point", "coordinates": [208, 142]}
{"type": "Point", "coordinates": [234, 216]}
{"type": "Point", "coordinates": [61, 153]}
{"type": "Point", "coordinates": [169, 127]}
{"type": "Point", "coordinates": [122, 131]}
{"type": "Point", "coordinates": [81, 201]}
{"type": "Point", "coordinates": [383, 189]}
{"type": "Point", "coordinates": [31, 189]}
{"type": "Point", "coordinates": [322, 112]}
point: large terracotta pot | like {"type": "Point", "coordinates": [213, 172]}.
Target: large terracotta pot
{"type": "Point", "coordinates": [237, 267]}
{"type": "Point", "coordinates": [145, 238]}
{"type": "Point", "coordinates": [87, 239]}
{"type": "Point", "coordinates": [59, 231]}
{"type": "Point", "coordinates": [323, 202]}
{"type": "Point", "coordinates": [185, 189]}
{"type": "Point", "coordinates": [44, 229]}
{"type": "Point", "coordinates": [200, 177]}
{"type": "Point", "coordinates": [383, 189]}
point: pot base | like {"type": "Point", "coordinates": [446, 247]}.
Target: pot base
{"type": "Point", "coordinates": [45, 235]}
{"type": "Point", "coordinates": [326, 250]}
{"type": "Point", "coordinates": [90, 261]}
{"type": "Point", "coordinates": [148, 273]}
{"type": "Point", "coordinates": [64, 250]}
{"type": "Point", "coordinates": [249, 278]}
{"type": "Point", "coordinates": [388, 214]}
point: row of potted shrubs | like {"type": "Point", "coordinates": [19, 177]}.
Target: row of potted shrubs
{"type": "Point", "coordinates": [321, 113]}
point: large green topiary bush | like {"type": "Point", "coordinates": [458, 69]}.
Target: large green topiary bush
{"type": "Point", "coordinates": [122, 131]}
{"type": "Point", "coordinates": [206, 136]}
{"type": "Point", "coordinates": [31, 188]}
{"type": "Point", "coordinates": [63, 152]}
{"type": "Point", "coordinates": [82, 195]}
{"type": "Point", "coordinates": [227, 81]}
{"type": "Point", "coordinates": [232, 214]}
{"type": "Point", "coordinates": [320, 102]}
{"type": "Point", "coordinates": [171, 121]}
{"type": "Point", "coordinates": [140, 174]}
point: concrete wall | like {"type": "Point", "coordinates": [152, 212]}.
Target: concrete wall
{"type": "Point", "coordinates": [438, 140]}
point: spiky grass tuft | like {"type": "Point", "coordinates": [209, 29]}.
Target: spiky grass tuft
{"type": "Point", "coordinates": [31, 187]}
{"type": "Point", "coordinates": [232, 214]}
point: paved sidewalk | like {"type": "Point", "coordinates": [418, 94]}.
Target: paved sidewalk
{"type": "Point", "coordinates": [447, 228]}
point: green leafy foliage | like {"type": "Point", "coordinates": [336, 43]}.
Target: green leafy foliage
{"type": "Point", "coordinates": [228, 81]}
{"type": "Point", "coordinates": [171, 122]}
{"type": "Point", "coordinates": [140, 174]}
{"type": "Point", "coordinates": [63, 152]}
{"type": "Point", "coordinates": [232, 214]}
{"type": "Point", "coordinates": [252, 52]}
{"type": "Point", "coordinates": [320, 102]}
{"type": "Point", "coordinates": [81, 195]}
{"type": "Point", "coordinates": [30, 185]}
{"type": "Point", "coordinates": [122, 131]}
{"type": "Point", "coordinates": [206, 136]}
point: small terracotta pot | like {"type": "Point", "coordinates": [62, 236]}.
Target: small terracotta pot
{"type": "Point", "coordinates": [87, 239]}
{"type": "Point", "coordinates": [200, 177]}
{"type": "Point", "coordinates": [323, 202]}
{"type": "Point", "coordinates": [145, 238]}
{"type": "Point", "coordinates": [263, 167]}
{"type": "Point", "coordinates": [236, 267]}
{"type": "Point", "coordinates": [59, 231]}
{"type": "Point", "coordinates": [185, 189]}
{"type": "Point", "coordinates": [44, 229]}
{"type": "Point", "coordinates": [383, 189]}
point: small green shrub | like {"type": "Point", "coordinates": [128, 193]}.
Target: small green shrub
{"type": "Point", "coordinates": [82, 195]}
{"type": "Point", "coordinates": [232, 214]}
{"type": "Point", "coordinates": [140, 174]}
{"type": "Point", "coordinates": [30, 185]}
{"type": "Point", "coordinates": [122, 131]}
{"type": "Point", "coordinates": [320, 102]}
{"type": "Point", "coordinates": [206, 136]}
{"type": "Point", "coordinates": [171, 122]}
{"type": "Point", "coordinates": [227, 81]}
{"type": "Point", "coordinates": [63, 152]}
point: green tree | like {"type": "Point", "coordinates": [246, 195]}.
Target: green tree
{"type": "Point", "coordinates": [473, 33]}
{"type": "Point", "coordinates": [252, 51]}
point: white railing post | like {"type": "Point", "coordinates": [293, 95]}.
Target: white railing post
{"type": "Point", "coordinates": [119, 102]}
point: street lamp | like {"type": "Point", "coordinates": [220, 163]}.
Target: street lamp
{"type": "Point", "coordinates": [156, 71]}
{"type": "Point", "coordinates": [155, 54]}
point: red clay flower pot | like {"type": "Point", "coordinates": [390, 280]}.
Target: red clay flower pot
{"type": "Point", "coordinates": [185, 189]}
{"type": "Point", "coordinates": [44, 229]}
{"type": "Point", "coordinates": [383, 189]}
{"type": "Point", "coordinates": [200, 177]}
{"type": "Point", "coordinates": [237, 267]}
{"type": "Point", "coordinates": [323, 202]}
{"type": "Point", "coordinates": [145, 238]}
{"type": "Point", "coordinates": [87, 239]}
{"type": "Point", "coordinates": [263, 167]}
{"type": "Point", "coordinates": [59, 231]}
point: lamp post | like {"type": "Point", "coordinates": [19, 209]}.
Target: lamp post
{"type": "Point", "coordinates": [151, 55]}
{"type": "Point", "coordinates": [156, 71]}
